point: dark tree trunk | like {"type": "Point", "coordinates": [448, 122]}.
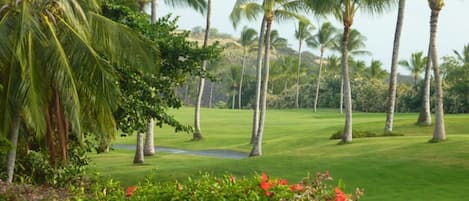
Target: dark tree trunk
{"type": "Point", "coordinates": [50, 137]}
{"type": "Point", "coordinates": [138, 158]}
{"type": "Point", "coordinates": [393, 77]}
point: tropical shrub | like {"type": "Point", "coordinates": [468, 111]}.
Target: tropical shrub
{"type": "Point", "coordinates": [362, 134]}
{"type": "Point", "coordinates": [229, 187]}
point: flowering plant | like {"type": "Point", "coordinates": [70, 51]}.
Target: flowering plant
{"type": "Point", "coordinates": [229, 187]}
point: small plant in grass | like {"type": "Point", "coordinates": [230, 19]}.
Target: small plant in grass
{"type": "Point", "coordinates": [229, 187]}
{"type": "Point", "coordinates": [363, 134]}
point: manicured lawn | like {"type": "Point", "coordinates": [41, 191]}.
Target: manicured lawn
{"type": "Point", "coordinates": [297, 142]}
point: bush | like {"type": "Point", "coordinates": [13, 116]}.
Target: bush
{"type": "Point", "coordinates": [362, 134]}
{"type": "Point", "coordinates": [228, 187]}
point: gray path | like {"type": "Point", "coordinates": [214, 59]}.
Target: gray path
{"type": "Point", "coordinates": [212, 153]}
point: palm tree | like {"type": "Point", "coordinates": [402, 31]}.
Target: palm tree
{"type": "Point", "coordinates": [138, 157]}
{"type": "Point", "coordinates": [248, 38]}
{"type": "Point", "coordinates": [439, 132]}
{"type": "Point", "coordinates": [272, 9]}
{"type": "Point", "coordinates": [323, 40]}
{"type": "Point", "coordinates": [345, 10]}
{"type": "Point", "coordinates": [197, 135]}
{"type": "Point", "coordinates": [277, 42]}
{"type": "Point", "coordinates": [463, 56]}
{"type": "Point", "coordinates": [393, 77]}
{"type": "Point", "coordinates": [301, 33]}
{"type": "Point", "coordinates": [415, 65]}
{"type": "Point", "coordinates": [70, 78]}
{"type": "Point", "coordinates": [376, 71]}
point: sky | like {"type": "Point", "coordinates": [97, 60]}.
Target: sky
{"type": "Point", "coordinates": [453, 29]}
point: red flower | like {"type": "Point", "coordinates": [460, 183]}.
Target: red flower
{"type": "Point", "coordinates": [232, 179]}
{"type": "Point", "coordinates": [130, 191]}
{"type": "Point", "coordinates": [296, 187]}
{"type": "Point", "coordinates": [264, 177]}
{"type": "Point", "coordinates": [265, 186]}
{"type": "Point", "coordinates": [283, 182]}
{"type": "Point", "coordinates": [268, 193]}
{"type": "Point", "coordinates": [339, 195]}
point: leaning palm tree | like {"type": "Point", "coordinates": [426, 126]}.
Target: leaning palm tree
{"type": "Point", "coordinates": [415, 65]}
{"type": "Point", "coordinates": [53, 90]}
{"type": "Point", "coordinates": [271, 9]}
{"type": "Point", "coordinates": [197, 135]}
{"type": "Point", "coordinates": [345, 10]}
{"type": "Point", "coordinates": [248, 38]}
{"type": "Point", "coordinates": [439, 132]}
{"type": "Point", "coordinates": [323, 40]}
{"type": "Point", "coordinates": [391, 103]}
{"type": "Point", "coordinates": [302, 32]}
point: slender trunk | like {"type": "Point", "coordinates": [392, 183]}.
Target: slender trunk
{"type": "Point", "coordinates": [186, 94]}
{"type": "Point", "coordinates": [11, 158]}
{"type": "Point", "coordinates": [425, 117]}
{"type": "Point", "coordinates": [316, 98]}
{"type": "Point", "coordinates": [260, 45]}
{"type": "Point", "coordinates": [241, 79]}
{"type": "Point", "coordinates": [154, 5]}
{"type": "Point", "coordinates": [257, 147]}
{"type": "Point", "coordinates": [393, 77]}
{"type": "Point", "coordinates": [211, 95]}
{"type": "Point", "coordinates": [61, 132]}
{"type": "Point", "coordinates": [439, 132]}
{"type": "Point", "coordinates": [138, 158]}
{"type": "Point", "coordinates": [50, 137]}
{"type": "Point", "coordinates": [149, 148]}
{"type": "Point", "coordinates": [197, 135]}
{"type": "Point", "coordinates": [233, 98]}
{"type": "Point", "coordinates": [347, 137]}
{"type": "Point", "coordinates": [341, 104]}
{"type": "Point", "coordinates": [297, 104]}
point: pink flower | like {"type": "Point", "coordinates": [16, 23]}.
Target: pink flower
{"type": "Point", "coordinates": [264, 177]}
{"type": "Point", "coordinates": [296, 187]}
{"type": "Point", "coordinates": [265, 186]}
{"type": "Point", "coordinates": [283, 182]}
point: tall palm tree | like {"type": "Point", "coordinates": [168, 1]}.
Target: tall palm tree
{"type": "Point", "coordinates": [271, 9]}
{"type": "Point", "coordinates": [415, 65]}
{"type": "Point", "coordinates": [70, 79]}
{"type": "Point", "coordinates": [391, 103]}
{"type": "Point", "coordinates": [302, 32]}
{"type": "Point", "coordinates": [323, 40]}
{"type": "Point", "coordinates": [345, 10]}
{"type": "Point", "coordinates": [439, 132]}
{"type": "Point", "coordinates": [197, 135]}
{"type": "Point", "coordinates": [248, 38]}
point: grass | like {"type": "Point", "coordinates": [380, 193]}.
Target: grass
{"type": "Point", "coordinates": [297, 142]}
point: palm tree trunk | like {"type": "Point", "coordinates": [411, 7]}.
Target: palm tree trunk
{"type": "Point", "coordinates": [297, 104]}
{"type": "Point", "coordinates": [316, 98]}
{"type": "Point", "coordinates": [347, 137]}
{"type": "Point", "coordinates": [393, 77]}
{"type": "Point", "coordinates": [154, 5]}
{"type": "Point", "coordinates": [341, 104]}
{"type": "Point", "coordinates": [439, 132]}
{"type": "Point", "coordinates": [11, 158]}
{"type": "Point", "coordinates": [138, 158]}
{"type": "Point", "coordinates": [233, 99]}
{"type": "Point", "coordinates": [149, 148]}
{"type": "Point", "coordinates": [61, 132]}
{"type": "Point", "coordinates": [257, 147]}
{"type": "Point", "coordinates": [197, 130]}
{"type": "Point", "coordinates": [50, 137]}
{"type": "Point", "coordinates": [241, 79]}
{"type": "Point", "coordinates": [255, 121]}
{"type": "Point", "coordinates": [425, 117]}
{"type": "Point", "coordinates": [186, 94]}
{"type": "Point", "coordinates": [212, 85]}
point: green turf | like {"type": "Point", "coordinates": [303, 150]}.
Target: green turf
{"type": "Point", "coordinates": [296, 142]}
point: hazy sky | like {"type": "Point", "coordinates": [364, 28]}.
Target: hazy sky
{"type": "Point", "coordinates": [453, 30]}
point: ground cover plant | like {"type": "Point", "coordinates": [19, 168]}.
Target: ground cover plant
{"type": "Point", "coordinates": [297, 141]}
